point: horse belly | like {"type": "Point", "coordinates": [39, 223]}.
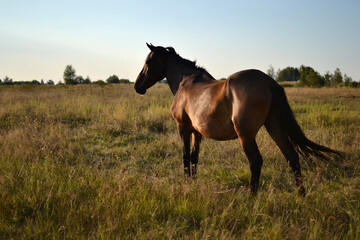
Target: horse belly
{"type": "Point", "coordinates": [215, 127]}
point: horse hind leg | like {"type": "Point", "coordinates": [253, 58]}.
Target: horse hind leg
{"type": "Point", "coordinates": [196, 139]}
{"type": "Point", "coordinates": [246, 126]}
{"type": "Point", "coordinates": [255, 159]}
{"type": "Point", "coordinates": [281, 139]}
{"type": "Point", "coordinates": [251, 150]}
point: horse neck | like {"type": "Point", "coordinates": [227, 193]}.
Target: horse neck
{"type": "Point", "coordinates": [174, 76]}
{"type": "Point", "coordinates": [176, 72]}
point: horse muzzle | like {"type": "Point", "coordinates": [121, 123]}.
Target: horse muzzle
{"type": "Point", "coordinates": [139, 90]}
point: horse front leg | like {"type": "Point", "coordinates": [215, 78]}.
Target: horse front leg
{"type": "Point", "coordinates": [196, 139]}
{"type": "Point", "coordinates": [185, 139]}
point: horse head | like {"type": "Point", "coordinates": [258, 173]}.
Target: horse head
{"type": "Point", "coordinates": [154, 69]}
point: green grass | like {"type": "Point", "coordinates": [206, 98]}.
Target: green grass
{"type": "Point", "coordinates": [101, 162]}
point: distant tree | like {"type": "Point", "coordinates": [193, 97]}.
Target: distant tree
{"type": "Point", "coordinates": [128, 81]}
{"type": "Point", "coordinates": [355, 84]}
{"type": "Point", "coordinates": [100, 82]}
{"type": "Point", "coordinates": [288, 74]}
{"type": "Point", "coordinates": [1, 83]}
{"type": "Point", "coordinates": [222, 79]}
{"type": "Point", "coordinates": [16, 83]}
{"type": "Point", "coordinates": [271, 72]}
{"type": "Point", "coordinates": [327, 78]}
{"type": "Point", "coordinates": [42, 82]}
{"type": "Point", "coordinates": [50, 82]}
{"type": "Point", "coordinates": [309, 77]}
{"type": "Point", "coordinates": [8, 81]}
{"type": "Point", "coordinates": [60, 83]}
{"type": "Point", "coordinates": [113, 79]}
{"type": "Point", "coordinates": [35, 82]}
{"type": "Point", "coordinates": [69, 75]}
{"type": "Point", "coordinates": [337, 78]}
{"type": "Point", "coordinates": [79, 79]}
{"type": "Point", "coordinates": [87, 80]}
{"type": "Point", "coordinates": [347, 80]}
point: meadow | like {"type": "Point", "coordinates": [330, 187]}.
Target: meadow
{"type": "Point", "coordinates": [101, 162]}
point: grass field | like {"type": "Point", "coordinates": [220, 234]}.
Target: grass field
{"type": "Point", "coordinates": [93, 162]}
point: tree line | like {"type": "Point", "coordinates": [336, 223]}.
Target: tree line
{"type": "Point", "coordinates": [303, 76]}
{"type": "Point", "coordinates": [9, 81]}
{"type": "Point", "coordinates": [307, 76]}
{"type": "Point", "coordinates": [70, 78]}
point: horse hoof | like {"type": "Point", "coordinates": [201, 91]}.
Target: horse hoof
{"type": "Point", "coordinates": [302, 192]}
{"type": "Point", "coordinates": [193, 170]}
{"type": "Point", "coordinates": [187, 172]}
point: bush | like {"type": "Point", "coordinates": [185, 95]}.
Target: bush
{"type": "Point", "coordinates": [113, 79]}
{"type": "Point", "coordinates": [125, 81]}
{"type": "Point", "coordinates": [288, 74]}
{"type": "Point", "coordinates": [99, 82]}
{"type": "Point", "coordinates": [310, 78]}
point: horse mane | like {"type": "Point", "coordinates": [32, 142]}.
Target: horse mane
{"type": "Point", "coordinates": [191, 64]}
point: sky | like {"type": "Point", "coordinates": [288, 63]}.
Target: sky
{"type": "Point", "coordinates": [39, 38]}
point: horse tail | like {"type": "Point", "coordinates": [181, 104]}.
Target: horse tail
{"type": "Point", "coordinates": [302, 145]}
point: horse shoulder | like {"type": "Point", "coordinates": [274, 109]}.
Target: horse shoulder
{"type": "Point", "coordinates": [178, 107]}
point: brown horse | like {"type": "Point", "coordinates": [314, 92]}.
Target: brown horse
{"type": "Point", "coordinates": [235, 108]}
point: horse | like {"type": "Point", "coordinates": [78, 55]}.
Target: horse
{"type": "Point", "coordinates": [224, 110]}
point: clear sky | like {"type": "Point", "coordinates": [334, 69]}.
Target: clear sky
{"type": "Point", "coordinates": [39, 38]}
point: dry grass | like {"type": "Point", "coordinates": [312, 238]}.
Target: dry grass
{"type": "Point", "coordinates": [92, 162]}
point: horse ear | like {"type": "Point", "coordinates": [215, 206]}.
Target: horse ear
{"type": "Point", "coordinates": [171, 50]}
{"type": "Point", "coordinates": [151, 47]}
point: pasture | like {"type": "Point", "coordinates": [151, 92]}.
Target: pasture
{"type": "Point", "coordinates": [102, 162]}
